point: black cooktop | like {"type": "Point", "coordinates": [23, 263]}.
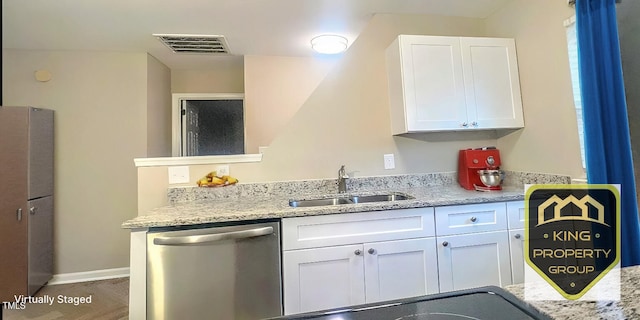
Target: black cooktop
{"type": "Point", "coordinates": [485, 303]}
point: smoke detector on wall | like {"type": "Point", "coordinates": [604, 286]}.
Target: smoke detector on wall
{"type": "Point", "coordinates": [195, 44]}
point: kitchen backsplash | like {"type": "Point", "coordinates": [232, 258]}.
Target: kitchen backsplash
{"type": "Point", "coordinates": [519, 179]}
{"type": "Point", "coordinates": [329, 186]}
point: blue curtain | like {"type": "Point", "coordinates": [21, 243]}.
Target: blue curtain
{"type": "Point", "coordinates": [607, 141]}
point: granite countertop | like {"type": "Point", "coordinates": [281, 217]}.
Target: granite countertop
{"type": "Point", "coordinates": [627, 308]}
{"type": "Point", "coordinates": [266, 207]}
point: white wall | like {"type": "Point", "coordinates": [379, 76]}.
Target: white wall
{"type": "Point", "coordinates": [100, 103]}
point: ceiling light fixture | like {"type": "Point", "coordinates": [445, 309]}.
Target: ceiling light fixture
{"type": "Point", "coordinates": [329, 44]}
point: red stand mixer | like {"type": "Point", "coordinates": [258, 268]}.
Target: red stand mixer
{"type": "Point", "coordinates": [479, 169]}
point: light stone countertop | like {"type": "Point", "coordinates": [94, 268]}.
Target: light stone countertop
{"type": "Point", "coordinates": [627, 308]}
{"type": "Point", "coordinates": [268, 207]}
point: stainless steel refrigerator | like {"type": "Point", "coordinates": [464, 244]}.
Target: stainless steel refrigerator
{"type": "Point", "coordinates": [26, 200]}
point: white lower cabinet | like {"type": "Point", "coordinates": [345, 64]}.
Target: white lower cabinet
{"type": "Point", "coordinates": [339, 276]}
{"type": "Point", "coordinates": [474, 260]}
{"type": "Point", "coordinates": [516, 246]}
{"type": "Point", "coordinates": [400, 269]}
{"type": "Point", "coordinates": [401, 264]}
{"type": "Point", "coordinates": [516, 216]}
{"type": "Point", "coordinates": [334, 261]}
{"type": "Point", "coordinates": [323, 278]}
{"type": "Point", "coordinates": [473, 246]}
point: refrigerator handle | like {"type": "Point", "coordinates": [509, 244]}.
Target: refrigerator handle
{"type": "Point", "coordinates": [201, 239]}
{"type": "Point", "coordinates": [19, 214]}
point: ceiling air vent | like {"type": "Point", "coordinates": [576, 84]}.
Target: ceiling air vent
{"type": "Point", "coordinates": [200, 44]}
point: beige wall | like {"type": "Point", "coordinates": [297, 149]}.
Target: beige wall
{"type": "Point", "coordinates": [102, 107]}
{"type": "Point", "coordinates": [226, 76]}
{"type": "Point", "coordinates": [100, 110]}
{"type": "Point", "coordinates": [346, 119]}
{"type": "Point", "coordinates": [158, 108]}
{"type": "Point", "coordinates": [275, 88]}
{"type": "Point", "coordinates": [549, 142]}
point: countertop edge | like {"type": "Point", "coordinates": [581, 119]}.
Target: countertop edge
{"type": "Point", "coordinates": [212, 211]}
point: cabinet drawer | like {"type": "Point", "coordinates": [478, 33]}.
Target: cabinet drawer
{"type": "Point", "coordinates": [471, 218]}
{"type": "Point", "coordinates": [515, 214]}
{"type": "Point", "coordinates": [341, 229]}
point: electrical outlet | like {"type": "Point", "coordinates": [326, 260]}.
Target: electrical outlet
{"type": "Point", "coordinates": [389, 161]}
{"type": "Point", "coordinates": [178, 174]}
{"type": "Point", "coordinates": [222, 170]}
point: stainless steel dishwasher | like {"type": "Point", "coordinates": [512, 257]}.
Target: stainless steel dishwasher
{"type": "Point", "coordinates": [214, 272]}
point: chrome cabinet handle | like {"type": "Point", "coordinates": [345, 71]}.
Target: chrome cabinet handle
{"type": "Point", "coordinates": [517, 236]}
{"type": "Point", "coordinates": [464, 124]}
{"type": "Point", "coordinates": [475, 124]}
{"type": "Point", "coordinates": [207, 238]}
{"type": "Point", "coordinates": [33, 210]}
{"type": "Point", "coordinates": [19, 214]}
{"type": "Point", "coordinates": [358, 252]}
{"type": "Point", "coordinates": [473, 219]}
{"type": "Point", "coordinates": [372, 251]}
{"type": "Point", "coordinates": [445, 244]}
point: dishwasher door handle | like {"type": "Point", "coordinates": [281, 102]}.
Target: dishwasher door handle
{"type": "Point", "coordinates": [208, 238]}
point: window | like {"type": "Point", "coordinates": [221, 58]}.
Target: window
{"type": "Point", "coordinates": [572, 43]}
{"type": "Point", "coordinates": [212, 127]}
{"type": "Point", "coordinates": [208, 124]}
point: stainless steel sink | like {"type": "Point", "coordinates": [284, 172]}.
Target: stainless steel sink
{"type": "Point", "coordinates": [319, 202]}
{"type": "Point", "coordinates": [348, 200]}
{"type": "Point", "coordinates": [379, 198]}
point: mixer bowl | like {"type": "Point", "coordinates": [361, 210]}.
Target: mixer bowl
{"type": "Point", "coordinates": [491, 178]}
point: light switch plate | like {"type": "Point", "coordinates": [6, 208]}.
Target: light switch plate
{"type": "Point", "coordinates": [389, 161]}
{"type": "Point", "coordinates": [178, 174]}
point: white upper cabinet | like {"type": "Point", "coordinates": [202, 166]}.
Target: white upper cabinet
{"type": "Point", "coordinates": [451, 83]}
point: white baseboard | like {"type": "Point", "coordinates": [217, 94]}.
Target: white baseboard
{"type": "Point", "coordinates": [74, 277]}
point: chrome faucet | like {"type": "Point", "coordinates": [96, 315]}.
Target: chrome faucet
{"type": "Point", "coordinates": [342, 180]}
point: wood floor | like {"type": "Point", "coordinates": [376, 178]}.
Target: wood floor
{"type": "Point", "coordinates": [109, 300]}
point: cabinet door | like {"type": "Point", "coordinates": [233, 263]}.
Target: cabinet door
{"type": "Point", "coordinates": [400, 269]}
{"type": "Point", "coordinates": [40, 243]}
{"type": "Point", "coordinates": [516, 247]}
{"type": "Point", "coordinates": [516, 214]}
{"type": "Point", "coordinates": [492, 83]}
{"type": "Point", "coordinates": [322, 278]}
{"type": "Point", "coordinates": [13, 205]}
{"type": "Point", "coordinates": [433, 83]}
{"type": "Point", "coordinates": [474, 260]}
{"type": "Point", "coordinates": [41, 147]}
